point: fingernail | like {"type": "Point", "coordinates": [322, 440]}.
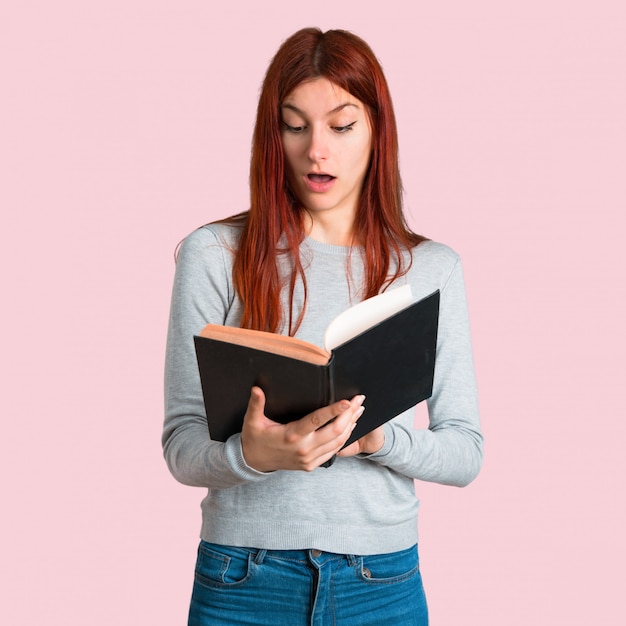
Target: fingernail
{"type": "Point", "coordinates": [359, 412]}
{"type": "Point", "coordinates": [360, 399]}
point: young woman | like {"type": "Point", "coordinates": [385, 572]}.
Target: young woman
{"type": "Point", "coordinates": [283, 540]}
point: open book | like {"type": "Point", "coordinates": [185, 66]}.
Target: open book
{"type": "Point", "coordinates": [383, 347]}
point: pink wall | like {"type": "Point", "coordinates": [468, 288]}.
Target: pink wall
{"type": "Point", "coordinates": [126, 123]}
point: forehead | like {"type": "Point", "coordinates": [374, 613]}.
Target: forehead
{"type": "Point", "coordinates": [320, 96]}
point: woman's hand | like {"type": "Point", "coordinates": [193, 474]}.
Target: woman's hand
{"type": "Point", "coordinates": [301, 445]}
{"type": "Point", "coordinates": [368, 444]}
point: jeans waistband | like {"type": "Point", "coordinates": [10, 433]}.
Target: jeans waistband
{"type": "Point", "coordinates": [316, 557]}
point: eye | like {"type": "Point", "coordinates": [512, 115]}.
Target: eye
{"type": "Point", "coordinates": [344, 129]}
{"type": "Point", "coordinates": [293, 129]}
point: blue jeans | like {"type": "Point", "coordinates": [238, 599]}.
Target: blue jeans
{"type": "Point", "coordinates": [241, 586]}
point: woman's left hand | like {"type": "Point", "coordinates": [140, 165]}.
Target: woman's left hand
{"type": "Point", "coordinates": [370, 443]}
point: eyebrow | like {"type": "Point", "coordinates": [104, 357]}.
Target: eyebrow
{"type": "Point", "coordinates": [294, 108]}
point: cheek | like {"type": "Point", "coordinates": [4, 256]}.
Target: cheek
{"type": "Point", "coordinates": [291, 157]}
{"type": "Point", "coordinates": [289, 170]}
{"type": "Point", "coordinates": [361, 158]}
{"type": "Point", "coordinates": [288, 159]}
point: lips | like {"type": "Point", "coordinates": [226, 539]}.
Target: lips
{"type": "Point", "coordinates": [320, 178]}
{"type": "Point", "coordinates": [319, 182]}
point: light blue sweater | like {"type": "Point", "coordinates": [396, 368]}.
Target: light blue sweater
{"type": "Point", "coordinates": [359, 505]}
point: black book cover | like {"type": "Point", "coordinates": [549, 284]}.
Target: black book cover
{"type": "Point", "coordinates": [391, 363]}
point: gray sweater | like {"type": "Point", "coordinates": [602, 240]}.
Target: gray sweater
{"type": "Point", "coordinates": [360, 505]}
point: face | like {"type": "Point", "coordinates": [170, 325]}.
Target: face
{"type": "Point", "coordinates": [327, 142]}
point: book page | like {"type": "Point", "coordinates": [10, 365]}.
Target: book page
{"type": "Point", "coordinates": [366, 314]}
{"type": "Point", "coordinates": [269, 342]}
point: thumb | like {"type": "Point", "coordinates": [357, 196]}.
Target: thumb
{"type": "Point", "coordinates": [256, 403]}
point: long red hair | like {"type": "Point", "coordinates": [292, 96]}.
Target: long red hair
{"type": "Point", "coordinates": [275, 212]}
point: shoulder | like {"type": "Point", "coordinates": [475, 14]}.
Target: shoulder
{"type": "Point", "coordinates": [209, 244]}
{"type": "Point", "coordinates": [435, 257]}
{"type": "Point", "coordinates": [432, 266]}
{"type": "Point", "coordinates": [220, 234]}
{"type": "Point", "coordinates": [207, 254]}
{"type": "Point", "coordinates": [435, 252]}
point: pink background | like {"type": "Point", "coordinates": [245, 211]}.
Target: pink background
{"type": "Point", "coordinates": [126, 123]}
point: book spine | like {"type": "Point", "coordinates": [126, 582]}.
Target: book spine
{"type": "Point", "coordinates": [330, 381]}
{"type": "Point", "coordinates": [330, 396]}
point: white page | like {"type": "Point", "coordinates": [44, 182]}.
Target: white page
{"type": "Point", "coordinates": [366, 314]}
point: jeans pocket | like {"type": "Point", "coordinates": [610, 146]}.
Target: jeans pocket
{"type": "Point", "coordinates": [222, 566]}
{"type": "Point", "coordinates": [389, 568]}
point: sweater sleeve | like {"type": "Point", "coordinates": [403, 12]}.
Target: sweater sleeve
{"type": "Point", "coordinates": [202, 294]}
{"type": "Point", "coordinates": [450, 451]}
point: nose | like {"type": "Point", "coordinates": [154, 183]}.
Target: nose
{"type": "Point", "coordinates": [318, 146]}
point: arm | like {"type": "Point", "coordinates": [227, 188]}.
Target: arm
{"type": "Point", "coordinates": [450, 451]}
{"type": "Point", "coordinates": [202, 293]}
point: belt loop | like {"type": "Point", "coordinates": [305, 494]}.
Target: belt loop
{"type": "Point", "coordinates": [353, 560]}
{"type": "Point", "coordinates": [260, 555]}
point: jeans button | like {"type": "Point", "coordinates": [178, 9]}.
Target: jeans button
{"type": "Point", "coordinates": [367, 573]}
{"type": "Point", "coordinates": [316, 553]}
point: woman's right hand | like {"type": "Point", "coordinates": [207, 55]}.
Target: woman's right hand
{"type": "Point", "coordinates": [301, 445]}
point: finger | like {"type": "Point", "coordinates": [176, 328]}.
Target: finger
{"type": "Point", "coordinates": [340, 413]}
{"type": "Point", "coordinates": [322, 416]}
{"type": "Point", "coordinates": [333, 447]}
{"type": "Point", "coordinates": [256, 403]}
{"type": "Point", "coordinates": [331, 438]}
{"type": "Point", "coordinates": [315, 420]}
{"type": "Point", "coordinates": [324, 442]}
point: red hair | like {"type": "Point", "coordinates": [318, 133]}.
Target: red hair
{"type": "Point", "coordinates": [275, 212]}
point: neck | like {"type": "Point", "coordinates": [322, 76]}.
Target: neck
{"type": "Point", "coordinates": [330, 230]}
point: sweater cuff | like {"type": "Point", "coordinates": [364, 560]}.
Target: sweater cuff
{"type": "Point", "coordinates": [234, 456]}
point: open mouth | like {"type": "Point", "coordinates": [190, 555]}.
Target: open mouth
{"type": "Point", "coordinates": [319, 182]}
{"type": "Point", "coordinates": [320, 178]}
